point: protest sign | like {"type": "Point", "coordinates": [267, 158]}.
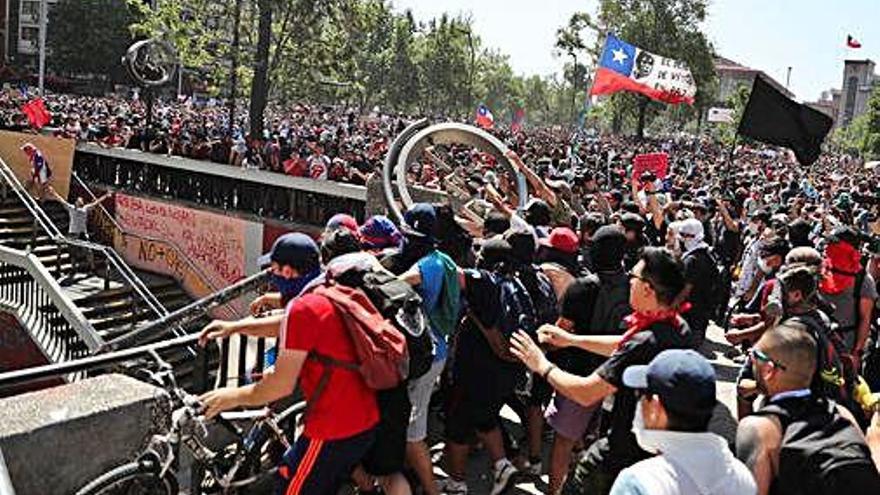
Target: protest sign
{"type": "Point", "coordinates": [658, 163]}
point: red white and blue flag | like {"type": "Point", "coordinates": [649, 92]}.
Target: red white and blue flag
{"type": "Point", "coordinates": [625, 67]}
{"type": "Point", "coordinates": [519, 117]}
{"type": "Point", "coordinates": [485, 119]}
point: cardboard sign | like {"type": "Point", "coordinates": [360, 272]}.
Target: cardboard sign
{"type": "Point", "coordinates": [653, 162]}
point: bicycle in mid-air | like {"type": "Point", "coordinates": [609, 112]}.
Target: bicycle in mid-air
{"type": "Point", "coordinates": [250, 462]}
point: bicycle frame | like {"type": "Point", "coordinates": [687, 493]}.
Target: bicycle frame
{"type": "Point", "coordinates": [188, 427]}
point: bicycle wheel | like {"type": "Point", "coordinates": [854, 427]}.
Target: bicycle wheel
{"type": "Point", "coordinates": [135, 478]}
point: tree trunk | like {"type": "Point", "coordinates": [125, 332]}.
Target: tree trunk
{"type": "Point", "coordinates": [643, 109]}
{"type": "Point", "coordinates": [260, 87]}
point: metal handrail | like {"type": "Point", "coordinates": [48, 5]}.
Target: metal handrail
{"type": "Point", "coordinates": [191, 310]}
{"type": "Point", "coordinates": [92, 362]}
{"type": "Point", "coordinates": [40, 274]}
{"type": "Point", "coordinates": [110, 254]}
{"type": "Point", "coordinates": [203, 278]}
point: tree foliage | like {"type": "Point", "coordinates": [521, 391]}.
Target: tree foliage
{"type": "Point", "coordinates": [366, 54]}
{"type": "Point", "coordinates": [89, 37]}
{"type": "Point", "coordinates": [862, 135]}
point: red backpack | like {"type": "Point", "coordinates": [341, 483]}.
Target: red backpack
{"type": "Point", "coordinates": [381, 349]}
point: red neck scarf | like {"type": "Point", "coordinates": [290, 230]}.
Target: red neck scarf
{"type": "Point", "coordinates": [839, 269]}
{"type": "Point", "coordinates": [640, 320]}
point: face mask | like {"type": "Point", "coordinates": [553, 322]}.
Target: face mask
{"type": "Point", "coordinates": [647, 439]}
{"type": "Point", "coordinates": [291, 287]}
{"type": "Point", "coordinates": [753, 229]}
{"type": "Point", "coordinates": [766, 269]}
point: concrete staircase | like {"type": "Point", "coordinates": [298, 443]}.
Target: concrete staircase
{"type": "Point", "coordinates": [110, 305]}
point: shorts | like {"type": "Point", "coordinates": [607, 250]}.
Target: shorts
{"type": "Point", "coordinates": [474, 403]}
{"type": "Point", "coordinates": [420, 391]}
{"type": "Point", "coordinates": [568, 418]}
{"type": "Point", "coordinates": [320, 467]}
{"type": "Point", "coordinates": [388, 452]}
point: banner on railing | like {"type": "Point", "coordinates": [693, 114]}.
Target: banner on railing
{"type": "Point", "coordinates": [223, 248]}
{"type": "Point", "coordinates": [56, 152]}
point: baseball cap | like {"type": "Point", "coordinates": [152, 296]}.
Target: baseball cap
{"type": "Point", "coordinates": [294, 249]}
{"type": "Point", "coordinates": [684, 380]}
{"type": "Point", "coordinates": [379, 232]}
{"type": "Point", "coordinates": [562, 239]}
{"type": "Point", "coordinates": [419, 221]}
{"type": "Point", "coordinates": [342, 221]}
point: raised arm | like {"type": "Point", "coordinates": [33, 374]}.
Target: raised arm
{"type": "Point", "coordinates": [541, 189]}
{"type": "Point", "coordinates": [99, 200]}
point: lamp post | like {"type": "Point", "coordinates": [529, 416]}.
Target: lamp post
{"type": "Point", "coordinates": [42, 56]}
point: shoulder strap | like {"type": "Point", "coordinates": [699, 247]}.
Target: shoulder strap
{"type": "Point", "coordinates": [857, 295]}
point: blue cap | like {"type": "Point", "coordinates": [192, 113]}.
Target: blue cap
{"type": "Point", "coordinates": [419, 220]}
{"type": "Point", "coordinates": [379, 232]}
{"type": "Point", "coordinates": [684, 380]}
{"type": "Point", "coordinates": [295, 249]}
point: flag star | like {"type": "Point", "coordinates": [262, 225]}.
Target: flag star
{"type": "Point", "coordinates": [619, 55]}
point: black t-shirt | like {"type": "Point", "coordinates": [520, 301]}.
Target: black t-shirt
{"type": "Point", "coordinates": [594, 309]}
{"type": "Point", "coordinates": [618, 448]}
{"type": "Point", "coordinates": [701, 272]}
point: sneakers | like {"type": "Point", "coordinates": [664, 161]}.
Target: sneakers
{"type": "Point", "coordinates": [449, 486]}
{"type": "Point", "coordinates": [533, 468]}
{"type": "Point", "coordinates": [502, 476]}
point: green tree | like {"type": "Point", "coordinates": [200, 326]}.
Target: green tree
{"type": "Point", "coordinates": [871, 143]}
{"type": "Point", "coordinates": [670, 28]}
{"type": "Point", "coordinates": [570, 42]}
{"type": "Point", "coordinates": [99, 52]}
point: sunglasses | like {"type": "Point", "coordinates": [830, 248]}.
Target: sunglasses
{"type": "Point", "coordinates": [759, 355]}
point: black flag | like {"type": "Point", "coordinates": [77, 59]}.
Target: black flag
{"type": "Point", "coordinates": [773, 118]}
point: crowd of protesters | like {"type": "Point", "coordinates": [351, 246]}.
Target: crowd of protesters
{"type": "Point", "coordinates": [585, 311]}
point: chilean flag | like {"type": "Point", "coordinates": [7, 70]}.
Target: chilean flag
{"type": "Point", "coordinates": [519, 116]}
{"type": "Point", "coordinates": [485, 119]}
{"type": "Point", "coordinates": [852, 42]}
{"type": "Point", "coordinates": [625, 67]}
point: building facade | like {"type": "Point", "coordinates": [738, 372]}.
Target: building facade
{"type": "Point", "coordinates": [859, 81]}
{"type": "Point", "coordinates": [21, 31]}
{"type": "Point", "coordinates": [732, 74]}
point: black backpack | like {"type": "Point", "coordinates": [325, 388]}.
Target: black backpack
{"type": "Point", "coordinates": [518, 311]}
{"type": "Point", "coordinates": [398, 302]}
{"type": "Point", "coordinates": [835, 378]}
{"type": "Point", "coordinates": [822, 452]}
{"type": "Point", "coordinates": [541, 292]}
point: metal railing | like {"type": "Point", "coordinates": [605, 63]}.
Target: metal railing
{"type": "Point", "coordinates": [126, 236]}
{"type": "Point", "coordinates": [190, 311]}
{"type": "Point", "coordinates": [126, 274]}
{"type": "Point", "coordinates": [111, 361]}
{"type": "Point", "coordinates": [28, 290]}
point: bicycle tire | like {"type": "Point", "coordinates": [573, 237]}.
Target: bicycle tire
{"type": "Point", "coordinates": [118, 481]}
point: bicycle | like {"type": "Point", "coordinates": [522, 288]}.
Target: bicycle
{"type": "Point", "coordinates": [252, 459]}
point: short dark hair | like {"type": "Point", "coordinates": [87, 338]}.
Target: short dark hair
{"type": "Point", "coordinates": [338, 242]}
{"type": "Point", "coordinates": [664, 272]}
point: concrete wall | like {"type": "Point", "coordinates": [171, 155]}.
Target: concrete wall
{"type": "Point", "coordinates": [57, 440]}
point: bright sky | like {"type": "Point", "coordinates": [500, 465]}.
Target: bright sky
{"type": "Point", "coordinates": [770, 35]}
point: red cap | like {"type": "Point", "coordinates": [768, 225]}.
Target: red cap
{"type": "Point", "coordinates": [562, 239]}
